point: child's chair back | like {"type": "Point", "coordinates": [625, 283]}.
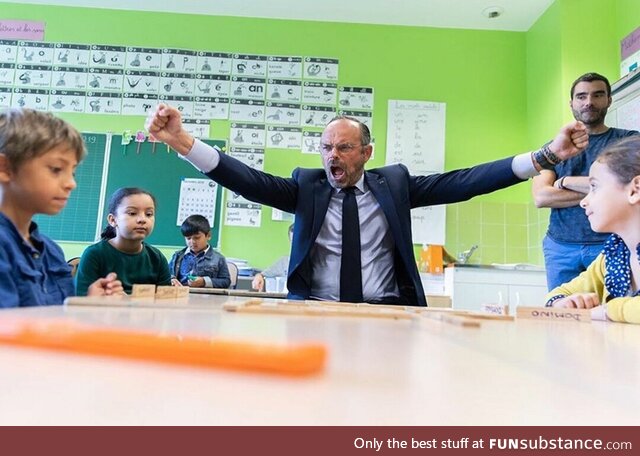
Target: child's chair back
{"type": "Point", "coordinates": [73, 262]}
{"type": "Point", "coordinates": [233, 273]}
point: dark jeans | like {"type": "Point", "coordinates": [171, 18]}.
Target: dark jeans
{"type": "Point", "coordinates": [565, 261]}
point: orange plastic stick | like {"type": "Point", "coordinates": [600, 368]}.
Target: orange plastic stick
{"type": "Point", "coordinates": [303, 359]}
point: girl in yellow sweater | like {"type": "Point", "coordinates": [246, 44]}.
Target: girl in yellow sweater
{"type": "Point", "coordinates": [610, 286]}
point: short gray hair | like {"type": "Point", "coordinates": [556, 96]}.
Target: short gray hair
{"type": "Point", "coordinates": [365, 134]}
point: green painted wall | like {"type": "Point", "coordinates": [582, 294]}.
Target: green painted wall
{"type": "Point", "coordinates": [592, 48]}
{"type": "Point", "coordinates": [571, 38]}
{"type": "Point", "coordinates": [479, 74]}
{"type": "Point", "coordinates": [627, 18]}
{"type": "Point", "coordinates": [506, 92]}
{"type": "Point", "coordinates": [545, 99]}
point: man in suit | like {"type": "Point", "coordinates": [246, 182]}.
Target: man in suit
{"type": "Point", "coordinates": [377, 264]}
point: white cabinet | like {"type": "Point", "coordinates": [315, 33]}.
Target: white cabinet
{"type": "Point", "coordinates": [472, 286]}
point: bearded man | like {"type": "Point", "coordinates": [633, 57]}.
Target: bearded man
{"type": "Point", "coordinates": [570, 245]}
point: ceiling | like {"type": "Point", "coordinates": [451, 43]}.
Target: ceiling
{"type": "Point", "coordinates": [517, 15]}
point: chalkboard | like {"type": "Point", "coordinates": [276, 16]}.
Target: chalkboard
{"type": "Point", "coordinates": [78, 221]}
{"type": "Point", "coordinates": [135, 165]}
{"type": "Point", "coordinates": [159, 172]}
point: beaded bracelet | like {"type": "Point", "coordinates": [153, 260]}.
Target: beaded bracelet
{"type": "Point", "coordinates": [555, 298]}
{"type": "Point", "coordinates": [542, 160]}
{"type": "Point", "coordinates": [550, 156]}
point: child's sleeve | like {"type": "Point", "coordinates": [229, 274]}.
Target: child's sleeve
{"type": "Point", "coordinates": [88, 271]}
{"type": "Point", "coordinates": [625, 310]}
{"type": "Point", "coordinates": [172, 264]}
{"type": "Point", "coordinates": [589, 281]}
{"type": "Point", "coordinates": [223, 279]}
{"type": "Point", "coordinates": [164, 275]}
{"type": "Point", "coordinates": [277, 269]}
{"type": "Point", "coordinates": [9, 296]}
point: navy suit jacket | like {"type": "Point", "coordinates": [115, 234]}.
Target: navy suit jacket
{"type": "Point", "coordinates": [307, 193]}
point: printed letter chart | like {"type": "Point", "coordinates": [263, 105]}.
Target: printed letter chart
{"type": "Point", "coordinates": [197, 196]}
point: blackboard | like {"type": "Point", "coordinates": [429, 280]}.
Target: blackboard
{"type": "Point", "coordinates": [78, 221]}
{"type": "Point", "coordinates": [146, 166]}
{"type": "Point", "coordinates": [160, 172]}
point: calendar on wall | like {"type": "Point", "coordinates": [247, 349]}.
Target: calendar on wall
{"type": "Point", "coordinates": [197, 196]}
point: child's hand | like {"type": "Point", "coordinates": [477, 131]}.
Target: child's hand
{"type": "Point", "coordinates": [175, 282]}
{"type": "Point", "coordinates": [107, 286]}
{"type": "Point", "coordinates": [198, 282]}
{"type": "Point", "coordinates": [599, 313]}
{"type": "Point", "coordinates": [258, 282]}
{"type": "Point", "coordinates": [578, 301]}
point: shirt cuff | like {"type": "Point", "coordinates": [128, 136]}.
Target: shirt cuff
{"type": "Point", "coordinates": [207, 282]}
{"type": "Point", "coordinates": [203, 156]}
{"type": "Point", "coordinates": [522, 166]}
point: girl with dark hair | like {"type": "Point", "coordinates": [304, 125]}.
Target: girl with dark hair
{"type": "Point", "coordinates": [131, 217]}
{"type": "Point", "coordinates": [611, 284]}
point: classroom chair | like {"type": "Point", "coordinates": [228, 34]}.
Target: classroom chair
{"type": "Point", "coordinates": [233, 273]}
{"type": "Point", "coordinates": [73, 262]}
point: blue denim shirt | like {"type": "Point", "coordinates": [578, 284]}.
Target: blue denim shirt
{"type": "Point", "coordinates": [209, 264]}
{"type": "Point", "coordinates": [35, 275]}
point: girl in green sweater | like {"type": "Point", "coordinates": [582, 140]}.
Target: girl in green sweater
{"type": "Point", "coordinates": [122, 249]}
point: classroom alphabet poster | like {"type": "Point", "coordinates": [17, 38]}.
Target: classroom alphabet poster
{"type": "Point", "coordinates": [240, 211]}
{"type": "Point", "coordinates": [284, 138]}
{"type": "Point", "coordinates": [251, 91]}
{"type": "Point", "coordinates": [197, 196]}
{"type": "Point", "coordinates": [281, 216]}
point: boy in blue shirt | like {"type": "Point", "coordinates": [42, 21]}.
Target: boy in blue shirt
{"type": "Point", "coordinates": [198, 265]}
{"type": "Point", "coordinates": [38, 157]}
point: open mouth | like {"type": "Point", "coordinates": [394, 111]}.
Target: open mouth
{"type": "Point", "coordinates": [337, 172]}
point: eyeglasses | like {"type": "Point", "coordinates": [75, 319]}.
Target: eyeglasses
{"type": "Point", "coordinates": [344, 148]}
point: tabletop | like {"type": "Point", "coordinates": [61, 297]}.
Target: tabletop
{"type": "Point", "coordinates": [380, 371]}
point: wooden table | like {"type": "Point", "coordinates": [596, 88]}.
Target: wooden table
{"type": "Point", "coordinates": [234, 292]}
{"type": "Point", "coordinates": [380, 372]}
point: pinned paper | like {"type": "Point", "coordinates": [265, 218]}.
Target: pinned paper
{"type": "Point", "coordinates": [126, 140]}
{"type": "Point", "coordinates": [140, 138]}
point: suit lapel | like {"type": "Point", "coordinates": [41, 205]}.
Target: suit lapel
{"type": "Point", "coordinates": [378, 186]}
{"type": "Point", "coordinates": [321, 198]}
